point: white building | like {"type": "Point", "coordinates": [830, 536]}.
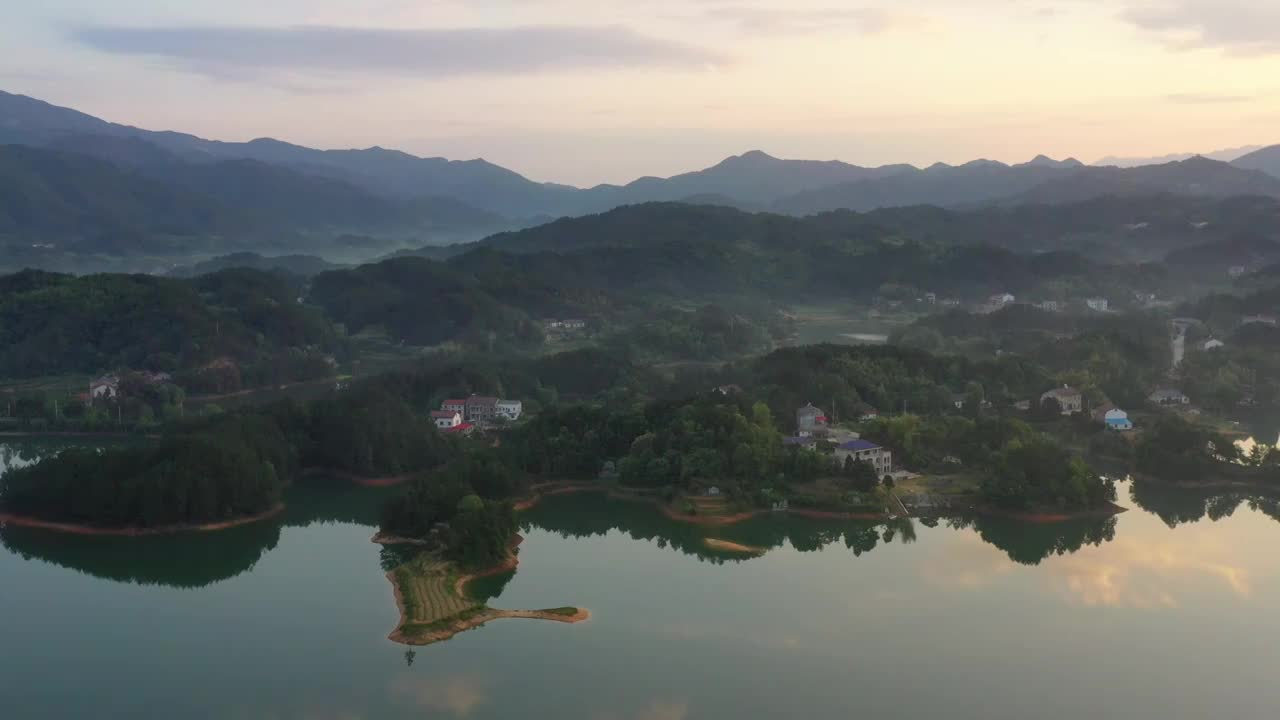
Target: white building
{"type": "Point", "coordinates": [106, 386]}
{"type": "Point", "coordinates": [1070, 400]}
{"type": "Point", "coordinates": [1213, 344]}
{"type": "Point", "coordinates": [446, 419]}
{"type": "Point", "coordinates": [1098, 304]}
{"type": "Point", "coordinates": [1118, 420]}
{"type": "Point", "coordinates": [866, 451]}
{"type": "Point", "coordinates": [509, 409]}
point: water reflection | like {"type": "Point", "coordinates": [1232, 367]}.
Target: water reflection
{"type": "Point", "coordinates": [198, 559]}
{"type": "Point", "coordinates": [588, 515]}
{"type": "Point", "coordinates": [189, 560]}
{"type": "Point", "coordinates": [1176, 506]}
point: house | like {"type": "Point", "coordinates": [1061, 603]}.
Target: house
{"type": "Point", "coordinates": [458, 406]}
{"type": "Point", "coordinates": [481, 409]}
{"type": "Point", "coordinates": [574, 324]}
{"type": "Point", "coordinates": [1000, 299]}
{"type": "Point", "coordinates": [1169, 396]}
{"type": "Point", "coordinates": [509, 409]}
{"type": "Point", "coordinates": [728, 390]}
{"type": "Point", "coordinates": [1236, 271]}
{"type": "Point", "coordinates": [810, 420]}
{"type": "Point", "coordinates": [958, 399]}
{"type": "Point", "coordinates": [465, 428]}
{"type": "Point", "coordinates": [869, 414]}
{"type": "Point", "coordinates": [866, 451]}
{"type": "Point", "coordinates": [1098, 304]}
{"type": "Point", "coordinates": [1022, 405]}
{"type": "Point", "coordinates": [1118, 420]}
{"type": "Point", "coordinates": [1213, 344]}
{"type": "Point", "coordinates": [931, 298]}
{"type": "Point", "coordinates": [446, 419]}
{"type": "Point", "coordinates": [1049, 306]}
{"type": "Point", "coordinates": [712, 491]}
{"type": "Point", "coordinates": [1069, 399]}
{"type": "Point", "coordinates": [107, 386]}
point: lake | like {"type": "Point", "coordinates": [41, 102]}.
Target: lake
{"type": "Point", "coordinates": [1167, 611]}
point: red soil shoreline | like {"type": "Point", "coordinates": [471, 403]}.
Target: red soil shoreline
{"type": "Point", "coordinates": [76, 529]}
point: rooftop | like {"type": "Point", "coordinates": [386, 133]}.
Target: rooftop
{"type": "Point", "coordinates": [856, 445]}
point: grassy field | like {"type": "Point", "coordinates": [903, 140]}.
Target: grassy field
{"type": "Point", "coordinates": [427, 590]}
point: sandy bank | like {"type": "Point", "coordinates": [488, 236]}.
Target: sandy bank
{"type": "Point", "coordinates": [76, 529]}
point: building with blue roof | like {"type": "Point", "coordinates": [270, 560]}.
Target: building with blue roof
{"type": "Point", "coordinates": [866, 451]}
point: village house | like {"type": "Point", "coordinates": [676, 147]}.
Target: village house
{"type": "Point", "coordinates": [1000, 299]}
{"type": "Point", "coordinates": [1236, 271]}
{"type": "Point", "coordinates": [866, 451]}
{"type": "Point", "coordinates": [481, 409]}
{"type": "Point", "coordinates": [810, 420]}
{"type": "Point", "coordinates": [1049, 306]}
{"type": "Point", "coordinates": [808, 443]}
{"type": "Point", "coordinates": [931, 298]}
{"type": "Point", "coordinates": [446, 419]}
{"type": "Point", "coordinates": [1168, 396]}
{"type": "Point", "coordinates": [1213, 344]}
{"type": "Point", "coordinates": [509, 409]}
{"type": "Point", "coordinates": [869, 414]}
{"type": "Point", "coordinates": [1118, 420]}
{"type": "Point", "coordinates": [107, 386]}
{"type": "Point", "coordinates": [1098, 304]}
{"type": "Point", "coordinates": [1069, 399]}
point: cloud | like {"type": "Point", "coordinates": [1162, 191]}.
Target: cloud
{"type": "Point", "coordinates": [456, 695]}
{"type": "Point", "coordinates": [1243, 27]}
{"type": "Point", "coordinates": [757, 19]}
{"type": "Point", "coordinates": [1207, 98]}
{"type": "Point", "coordinates": [243, 53]}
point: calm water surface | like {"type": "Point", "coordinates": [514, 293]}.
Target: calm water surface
{"type": "Point", "coordinates": [1168, 611]}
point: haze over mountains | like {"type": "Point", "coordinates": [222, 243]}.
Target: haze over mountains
{"type": "Point", "coordinates": [73, 183]}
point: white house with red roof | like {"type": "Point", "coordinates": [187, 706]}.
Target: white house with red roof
{"type": "Point", "coordinates": [446, 419]}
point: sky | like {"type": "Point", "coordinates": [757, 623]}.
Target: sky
{"type": "Point", "coordinates": [590, 91]}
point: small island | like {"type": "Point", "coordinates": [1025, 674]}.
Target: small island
{"type": "Point", "coordinates": [460, 536]}
{"type": "Point", "coordinates": [431, 597]}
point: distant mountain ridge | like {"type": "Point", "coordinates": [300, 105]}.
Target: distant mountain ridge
{"type": "Point", "coordinates": [476, 196]}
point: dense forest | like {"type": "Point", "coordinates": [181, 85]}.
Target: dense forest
{"type": "Point", "coordinates": [247, 321]}
{"type": "Point", "coordinates": [231, 468]}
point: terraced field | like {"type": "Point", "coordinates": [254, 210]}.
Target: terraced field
{"type": "Point", "coordinates": [427, 591]}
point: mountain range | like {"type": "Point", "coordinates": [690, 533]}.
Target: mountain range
{"type": "Point", "coordinates": [77, 181]}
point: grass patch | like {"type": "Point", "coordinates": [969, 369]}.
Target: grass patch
{"type": "Point", "coordinates": [427, 593]}
{"type": "Point", "coordinates": [565, 611]}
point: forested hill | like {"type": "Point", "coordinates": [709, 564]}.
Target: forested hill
{"type": "Point", "coordinates": [1110, 229]}
{"type": "Point", "coordinates": [88, 205]}
{"type": "Point", "coordinates": [233, 322]}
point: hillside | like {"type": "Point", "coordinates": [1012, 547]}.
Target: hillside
{"type": "Point", "coordinates": [52, 324]}
{"type": "Point", "coordinates": [978, 182]}
{"type": "Point", "coordinates": [1197, 177]}
{"type": "Point", "coordinates": [88, 205]}
{"type": "Point", "coordinates": [1266, 159]}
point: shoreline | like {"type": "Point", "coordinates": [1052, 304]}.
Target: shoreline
{"type": "Point", "coordinates": [1111, 509]}
{"type": "Point", "coordinates": [7, 519]}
